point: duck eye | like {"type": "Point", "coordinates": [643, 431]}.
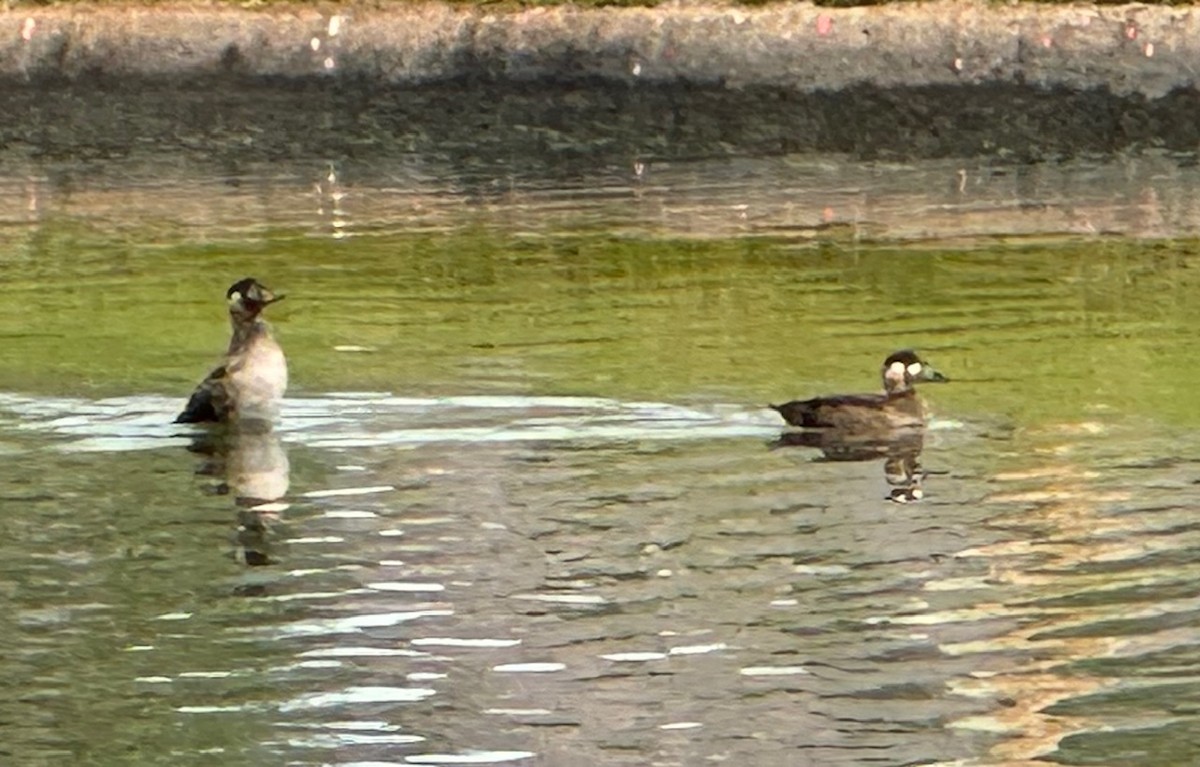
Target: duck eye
{"type": "Point", "coordinates": [914, 369]}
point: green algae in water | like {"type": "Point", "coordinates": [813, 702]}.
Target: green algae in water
{"type": "Point", "coordinates": [1029, 331]}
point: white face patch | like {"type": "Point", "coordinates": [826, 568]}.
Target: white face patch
{"type": "Point", "coordinates": [914, 369]}
{"type": "Point", "coordinates": [235, 297]}
{"type": "Point", "coordinates": [895, 372]}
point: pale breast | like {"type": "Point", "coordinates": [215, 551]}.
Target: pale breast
{"type": "Point", "coordinates": [258, 381]}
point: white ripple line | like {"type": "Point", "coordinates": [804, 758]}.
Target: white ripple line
{"type": "Point", "coordinates": [342, 491]}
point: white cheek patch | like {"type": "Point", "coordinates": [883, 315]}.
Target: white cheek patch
{"type": "Point", "coordinates": [914, 369]}
{"type": "Point", "coordinates": [235, 297]}
{"type": "Point", "coordinates": [895, 371]}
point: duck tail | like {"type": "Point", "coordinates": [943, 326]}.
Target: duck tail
{"type": "Point", "coordinates": [199, 409]}
{"type": "Point", "coordinates": [798, 413]}
{"type": "Point", "coordinates": [202, 406]}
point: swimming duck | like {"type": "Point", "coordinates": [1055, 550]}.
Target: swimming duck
{"type": "Point", "coordinates": [898, 407]}
{"type": "Point", "coordinates": [249, 385]}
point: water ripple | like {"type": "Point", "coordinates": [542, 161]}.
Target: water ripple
{"type": "Point", "coordinates": [358, 695]}
{"type": "Point", "coordinates": [144, 423]}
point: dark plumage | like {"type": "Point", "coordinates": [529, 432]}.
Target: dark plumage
{"type": "Point", "coordinates": [206, 404]}
{"type": "Point", "coordinates": [897, 407]}
{"type": "Point", "coordinates": [250, 383]}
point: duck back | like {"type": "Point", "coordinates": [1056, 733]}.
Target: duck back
{"type": "Point", "coordinates": [855, 412]}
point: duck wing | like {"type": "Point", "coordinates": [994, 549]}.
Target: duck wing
{"type": "Point", "coordinates": [849, 412]}
{"type": "Point", "coordinates": [208, 403]}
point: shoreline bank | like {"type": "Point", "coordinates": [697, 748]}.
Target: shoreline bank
{"type": "Point", "coordinates": [922, 80]}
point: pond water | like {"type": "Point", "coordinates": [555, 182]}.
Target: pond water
{"type": "Point", "coordinates": [526, 503]}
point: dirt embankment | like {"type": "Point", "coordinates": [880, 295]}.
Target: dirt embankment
{"type": "Point", "coordinates": [933, 79]}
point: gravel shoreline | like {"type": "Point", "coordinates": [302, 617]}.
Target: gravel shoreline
{"type": "Point", "coordinates": [927, 79]}
{"type": "Point", "coordinates": [1127, 49]}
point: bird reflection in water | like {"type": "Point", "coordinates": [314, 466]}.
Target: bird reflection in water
{"type": "Point", "coordinates": [252, 466]}
{"type": "Point", "coordinates": [239, 400]}
{"type": "Point", "coordinates": [866, 427]}
{"type": "Point", "coordinates": [900, 452]}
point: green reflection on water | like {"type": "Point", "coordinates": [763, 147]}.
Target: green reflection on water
{"type": "Point", "coordinates": [1031, 331]}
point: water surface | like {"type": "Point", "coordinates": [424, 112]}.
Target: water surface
{"type": "Point", "coordinates": [524, 505]}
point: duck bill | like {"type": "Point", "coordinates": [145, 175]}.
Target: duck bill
{"type": "Point", "coordinates": [263, 296]}
{"type": "Point", "coordinates": [931, 376]}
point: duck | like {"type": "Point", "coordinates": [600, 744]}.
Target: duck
{"type": "Point", "coordinates": [248, 387]}
{"type": "Point", "coordinates": [898, 407]}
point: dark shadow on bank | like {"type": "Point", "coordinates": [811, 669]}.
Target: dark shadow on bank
{"type": "Point", "coordinates": [562, 128]}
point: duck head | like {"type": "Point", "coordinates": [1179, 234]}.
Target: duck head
{"type": "Point", "coordinates": [903, 369]}
{"type": "Point", "coordinates": [247, 298]}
